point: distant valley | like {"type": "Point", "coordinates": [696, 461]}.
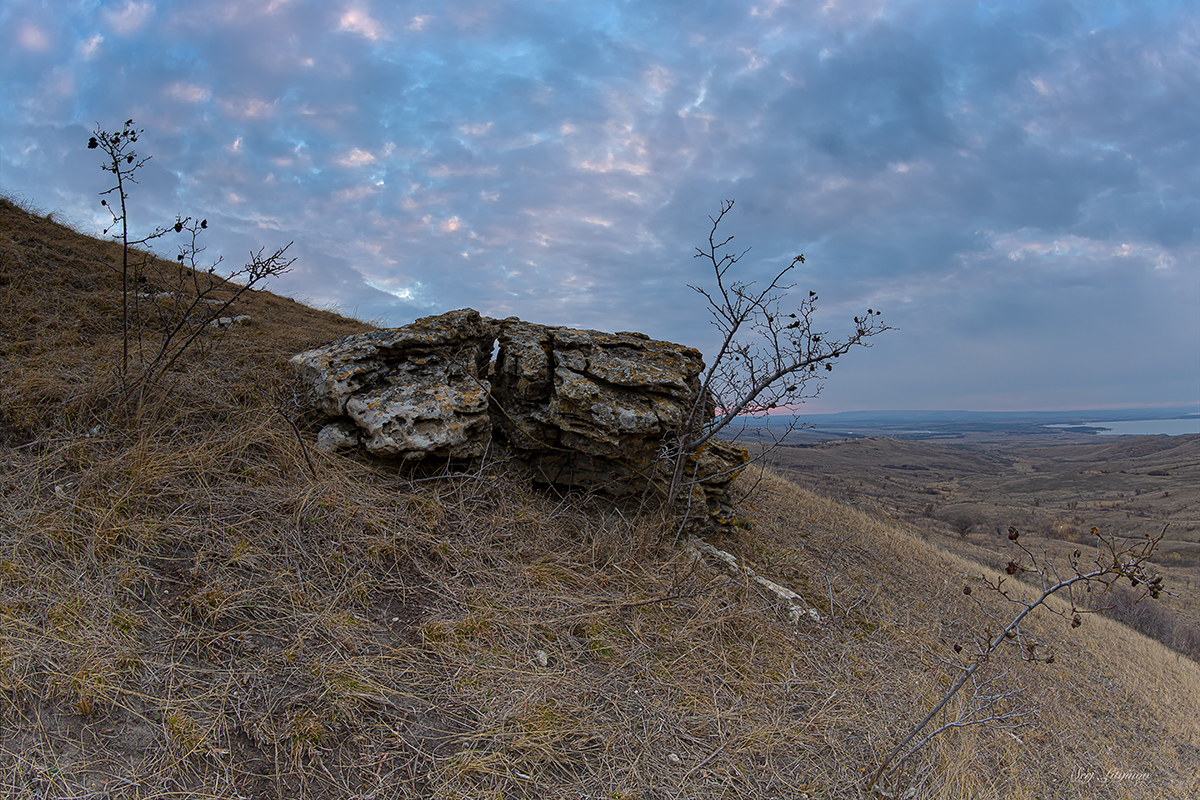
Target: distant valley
{"type": "Point", "coordinates": [963, 481]}
{"type": "Point", "coordinates": [975, 426]}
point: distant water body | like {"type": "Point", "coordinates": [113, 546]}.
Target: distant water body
{"type": "Point", "coordinates": [1141, 427]}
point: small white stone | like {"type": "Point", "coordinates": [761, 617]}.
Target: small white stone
{"type": "Point", "coordinates": [229, 322]}
{"type": "Point", "coordinates": [674, 759]}
{"type": "Point", "coordinates": [541, 657]}
{"type": "Point", "coordinates": [336, 436]}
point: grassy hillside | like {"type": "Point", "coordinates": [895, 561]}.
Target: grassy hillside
{"type": "Point", "coordinates": [187, 609]}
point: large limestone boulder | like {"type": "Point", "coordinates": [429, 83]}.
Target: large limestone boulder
{"type": "Point", "coordinates": [576, 408]}
{"type": "Point", "coordinates": [411, 392]}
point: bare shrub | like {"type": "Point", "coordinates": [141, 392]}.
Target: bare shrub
{"type": "Point", "coordinates": [183, 302]}
{"type": "Point", "coordinates": [770, 357]}
{"type": "Point", "coordinates": [994, 701]}
{"type": "Point", "coordinates": [963, 525]}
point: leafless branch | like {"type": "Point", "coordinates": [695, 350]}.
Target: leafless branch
{"type": "Point", "coordinates": [1115, 559]}
{"type": "Point", "coordinates": [769, 358]}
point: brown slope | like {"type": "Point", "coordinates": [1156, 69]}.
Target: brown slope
{"type": "Point", "coordinates": [187, 610]}
{"type": "Point", "coordinates": [60, 324]}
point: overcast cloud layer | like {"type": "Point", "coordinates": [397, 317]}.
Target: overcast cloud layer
{"type": "Point", "coordinates": [1015, 184]}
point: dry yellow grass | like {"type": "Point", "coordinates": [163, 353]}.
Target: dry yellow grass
{"type": "Point", "coordinates": [187, 610]}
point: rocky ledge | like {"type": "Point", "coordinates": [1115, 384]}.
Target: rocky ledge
{"type": "Point", "coordinates": [574, 408]}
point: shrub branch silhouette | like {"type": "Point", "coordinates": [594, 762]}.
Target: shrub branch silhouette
{"type": "Point", "coordinates": [195, 297]}
{"type": "Point", "coordinates": [988, 706]}
{"type": "Point", "coordinates": [769, 358]}
{"type": "Point", "coordinates": [122, 161]}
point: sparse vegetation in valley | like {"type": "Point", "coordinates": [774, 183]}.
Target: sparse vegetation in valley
{"type": "Point", "coordinates": [188, 608]}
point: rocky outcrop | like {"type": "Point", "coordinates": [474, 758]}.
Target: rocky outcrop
{"type": "Point", "coordinates": [591, 409]}
{"type": "Point", "coordinates": [575, 408]}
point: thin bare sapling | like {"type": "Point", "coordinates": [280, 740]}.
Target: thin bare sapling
{"type": "Point", "coordinates": [123, 162]}
{"type": "Point", "coordinates": [770, 357]}
{"type": "Point", "coordinates": [191, 298]}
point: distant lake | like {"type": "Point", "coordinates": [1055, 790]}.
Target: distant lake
{"type": "Point", "coordinates": [1141, 427]}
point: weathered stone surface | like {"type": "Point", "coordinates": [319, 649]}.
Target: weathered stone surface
{"type": "Point", "coordinates": [576, 408]}
{"type": "Point", "coordinates": [412, 392]}
{"type": "Point", "coordinates": [710, 472]}
{"type": "Point", "coordinates": [597, 393]}
{"type": "Point", "coordinates": [591, 409]}
{"type": "Point", "coordinates": [229, 322]}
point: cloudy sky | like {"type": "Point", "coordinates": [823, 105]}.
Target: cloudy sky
{"type": "Point", "coordinates": [1016, 184]}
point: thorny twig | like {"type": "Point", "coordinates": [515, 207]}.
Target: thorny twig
{"type": "Point", "coordinates": [1114, 560]}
